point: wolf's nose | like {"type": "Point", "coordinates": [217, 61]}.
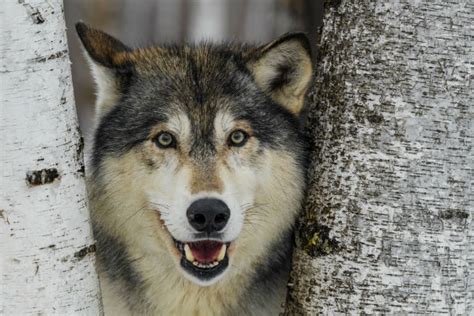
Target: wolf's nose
{"type": "Point", "coordinates": [208, 215]}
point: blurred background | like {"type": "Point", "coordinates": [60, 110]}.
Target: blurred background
{"type": "Point", "coordinates": [146, 22]}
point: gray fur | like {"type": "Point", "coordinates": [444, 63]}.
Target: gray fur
{"type": "Point", "coordinates": [154, 85]}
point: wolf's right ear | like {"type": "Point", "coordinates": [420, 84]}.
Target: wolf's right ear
{"type": "Point", "coordinates": [111, 64]}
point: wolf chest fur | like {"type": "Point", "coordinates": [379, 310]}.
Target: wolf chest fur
{"type": "Point", "coordinates": [197, 173]}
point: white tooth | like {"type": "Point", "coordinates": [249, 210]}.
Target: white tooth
{"type": "Point", "coordinates": [221, 255]}
{"type": "Point", "coordinates": [188, 253]}
{"type": "Point", "coordinates": [195, 263]}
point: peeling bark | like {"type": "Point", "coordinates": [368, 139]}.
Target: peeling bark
{"type": "Point", "coordinates": [388, 224]}
{"type": "Point", "coordinates": [45, 234]}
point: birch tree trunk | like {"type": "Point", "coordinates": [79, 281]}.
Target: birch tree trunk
{"type": "Point", "coordinates": [47, 264]}
{"type": "Point", "coordinates": [388, 225]}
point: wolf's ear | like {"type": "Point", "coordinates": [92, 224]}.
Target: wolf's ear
{"type": "Point", "coordinates": [111, 64]}
{"type": "Point", "coordinates": [283, 69]}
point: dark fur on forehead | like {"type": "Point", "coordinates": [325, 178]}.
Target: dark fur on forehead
{"type": "Point", "coordinates": [193, 79]}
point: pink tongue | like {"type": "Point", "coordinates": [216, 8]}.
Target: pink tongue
{"type": "Point", "coordinates": [205, 251]}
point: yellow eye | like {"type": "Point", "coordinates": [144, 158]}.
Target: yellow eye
{"type": "Point", "coordinates": [165, 140]}
{"type": "Point", "coordinates": [238, 138]}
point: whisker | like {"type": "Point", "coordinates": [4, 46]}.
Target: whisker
{"type": "Point", "coordinates": [128, 218]}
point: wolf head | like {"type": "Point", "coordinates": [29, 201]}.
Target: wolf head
{"type": "Point", "coordinates": [198, 158]}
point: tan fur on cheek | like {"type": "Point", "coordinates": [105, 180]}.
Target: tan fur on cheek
{"type": "Point", "coordinates": [166, 236]}
{"type": "Point", "coordinates": [278, 197]}
{"type": "Point", "coordinates": [121, 205]}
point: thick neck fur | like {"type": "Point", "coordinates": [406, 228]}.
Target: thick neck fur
{"type": "Point", "coordinates": [148, 285]}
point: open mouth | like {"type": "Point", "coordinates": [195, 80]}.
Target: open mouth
{"type": "Point", "coordinates": [204, 259]}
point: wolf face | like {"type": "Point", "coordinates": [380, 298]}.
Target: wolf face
{"type": "Point", "coordinates": [197, 171]}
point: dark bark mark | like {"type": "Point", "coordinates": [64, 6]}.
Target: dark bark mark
{"type": "Point", "coordinates": [374, 117]}
{"type": "Point", "coordinates": [51, 57]}
{"type": "Point", "coordinates": [52, 246]}
{"type": "Point", "coordinates": [37, 17]}
{"type": "Point", "coordinates": [33, 12]}
{"type": "Point", "coordinates": [85, 251]}
{"type": "Point", "coordinates": [4, 217]}
{"type": "Point", "coordinates": [80, 148]}
{"type": "Point", "coordinates": [42, 176]}
{"type": "Point", "coordinates": [363, 114]}
{"type": "Point", "coordinates": [82, 170]}
{"type": "Point", "coordinates": [331, 4]}
{"type": "Point", "coordinates": [453, 214]}
{"type": "Point", "coordinates": [317, 242]}
{"type": "Point", "coordinates": [79, 156]}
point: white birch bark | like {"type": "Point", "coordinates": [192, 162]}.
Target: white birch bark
{"type": "Point", "coordinates": [388, 225]}
{"type": "Point", "coordinates": [47, 265]}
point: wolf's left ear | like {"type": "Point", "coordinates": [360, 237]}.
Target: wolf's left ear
{"type": "Point", "coordinates": [111, 64]}
{"type": "Point", "coordinates": [102, 48]}
{"type": "Point", "coordinates": [283, 69]}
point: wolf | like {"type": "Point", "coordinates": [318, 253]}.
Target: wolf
{"type": "Point", "coordinates": [197, 173]}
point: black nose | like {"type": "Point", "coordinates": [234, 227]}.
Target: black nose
{"type": "Point", "coordinates": [208, 215]}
